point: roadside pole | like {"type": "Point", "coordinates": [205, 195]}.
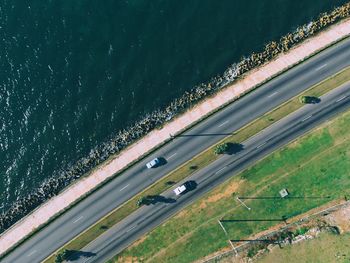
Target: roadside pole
{"type": "Point", "coordinates": [243, 203]}
{"type": "Point", "coordinates": [222, 227]}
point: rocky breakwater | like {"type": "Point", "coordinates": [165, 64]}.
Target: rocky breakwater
{"type": "Point", "coordinates": [156, 119]}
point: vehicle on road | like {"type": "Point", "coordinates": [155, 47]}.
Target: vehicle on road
{"type": "Point", "coordinates": [180, 189]}
{"type": "Point", "coordinates": [154, 163]}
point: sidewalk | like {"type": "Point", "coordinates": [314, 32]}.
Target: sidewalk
{"type": "Point", "coordinates": [42, 214]}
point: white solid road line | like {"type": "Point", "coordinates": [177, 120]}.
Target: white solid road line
{"type": "Point", "coordinates": [76, 220]}
{"type": "Point", "coordinates": [340, 99]}
{"type": "Point", "coordinates": [123, 188]}
{"type": "Point", "coordinates": [32, 253]}
{"type": "Point", "coordinates": [321, 67]}
{"type": "Point", "coordinates": [273, 94]}
{"type": "Point", "coordinates": [308, 117]}
{"type": "Point", "coordinates": [171, 156]}
{"type": "Point", "coordinates": [222, 124]}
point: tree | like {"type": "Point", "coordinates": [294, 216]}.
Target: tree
{"type": "Point", "coordinates": [146, 200]}
{"type": "Point", "coordinates": [60, 257]}
{"type": "Point", "coordinates": [221, 148]}
{"type": "Point", "coordinates": [303, 99]}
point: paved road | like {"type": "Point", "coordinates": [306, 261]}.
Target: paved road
{"type": "Point", "coordinates": [180, 150]}
{"type": "Point", "coordinates": [258, 146]}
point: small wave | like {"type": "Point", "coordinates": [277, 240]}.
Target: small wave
{"type": "Point", "coordinates": [150, 121]}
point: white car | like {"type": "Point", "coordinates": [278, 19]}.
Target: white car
{"type": "Point", "coordinates": [180, 189]}
{"type": "Point", "coordinates": [153, 163]}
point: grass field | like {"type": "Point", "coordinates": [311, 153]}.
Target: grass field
{"type": "Point", "coordinates": [203, 160]}
{"type": "Point", "coordinates": [316, 167]}
{"type": "Point", "coordinates": [325, 248]}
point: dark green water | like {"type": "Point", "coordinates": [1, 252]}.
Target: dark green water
{"type": "Point", "coordinates": [73, 73]}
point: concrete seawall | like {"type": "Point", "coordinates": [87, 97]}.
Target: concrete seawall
{"type": "Point", "coordinates": [156, 137]}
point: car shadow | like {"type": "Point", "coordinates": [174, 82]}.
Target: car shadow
{"type": "Point", "coordinates": [162, 161]}
{"type": "Point", "coordinates": [190, 186]}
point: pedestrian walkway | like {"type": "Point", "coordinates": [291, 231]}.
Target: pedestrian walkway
{"type": "Point", "coordinates": [255, 77]}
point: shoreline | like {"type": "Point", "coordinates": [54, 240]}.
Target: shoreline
{"type": "Point", "coordinates": [186, 115]}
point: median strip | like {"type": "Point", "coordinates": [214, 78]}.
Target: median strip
{"type": "Point", "coordinates": [202, 160]}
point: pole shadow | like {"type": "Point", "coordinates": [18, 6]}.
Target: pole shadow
{"type": "Point", "coordinates": [287, 197]}
{"type": "Point", "coordinates": [204, 134]}
{"type": "Point", "coordinates": [252, 220]}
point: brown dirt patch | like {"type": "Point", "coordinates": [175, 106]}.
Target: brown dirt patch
{"type": "Point", "coordinates": [341, 219]}
{"type": "Point", "coordinates": [128, 259]}
{"type": "Point", "coordinates": [227, 192]}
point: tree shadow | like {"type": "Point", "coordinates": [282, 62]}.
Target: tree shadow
{"type": "Point", "coordinates": [73, 255]}
{"type": "Point", "coordinates": [234, 148]}
{"type": "Point", "coordinates": [312, 100]}
{"type": "Point", "coordinates": [153, 199]}
{"type": "Point", "coordinates": [170, 183]}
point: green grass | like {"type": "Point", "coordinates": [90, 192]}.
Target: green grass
{"type": "Point", "coordinates": [326, 248]}
{"type": "Point", "coordinates": [202, 160]}
{"type": "Point", "coordinates": [317, 165]}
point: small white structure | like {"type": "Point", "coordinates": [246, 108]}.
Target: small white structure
{"type": "Point", "coordinates": [180, 189]}
{"type": "Point", "coordinates": [153, 163]}
{"type": "Point", "coordinates": [284, 192]}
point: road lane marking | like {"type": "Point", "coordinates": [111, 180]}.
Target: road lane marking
{"type": "Point", "coordinates": [222, 124]}
{"type": "Point", "coordinates": [308, 117]}
{"type": "Point", "coordinates": [32, 253]}
{"type": "Point", "coordinates": [261, 145]}
{"type": "Point", "coordinates": [130, 229]}
{"type": "Point", "coordinates": [76, 220]}
{"type": "Point", "coordinates": [340, 99]}
{"type": "Point", "coordinates": [321, 67]}
{"type": "Point", "coordinates": [123, 188]}
{"type": "Point", "coordinates": [218, 171]}
{"type": "Point", "coordinates": [273, 94]}
{"type": "Point", "coordinates": [171, 156]}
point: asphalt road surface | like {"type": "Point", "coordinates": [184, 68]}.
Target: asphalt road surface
{"type": "Point", "coordinates": [181, 149]}
{"type": "Point", "coordinates": [255, 148]}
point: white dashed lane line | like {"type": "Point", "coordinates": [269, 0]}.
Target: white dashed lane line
{"type": "Point", "coordinates": [273, 94]}
{"type": "Point", "coordinates": [308, 117]}
{"type": "Point", "coordinates": [222, 124]}
{"type": "Point", "coordinates": [171, 156]}
{"type": "Point", "coordinates": [261, 145]}
{"type": "Point", "coordinates": [321, 67]}
{"type": "Point", "coordinates": [124, 188]}
{"type": "Point", "coordinates": [78, 219]}
{"type": "Point", "coordinates": [340, 99]}
{"type": "Point", "coordinates": [32, 253]}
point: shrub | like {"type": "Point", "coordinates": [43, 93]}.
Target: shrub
{"type": "Point", "coordinates": [221, 148]}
